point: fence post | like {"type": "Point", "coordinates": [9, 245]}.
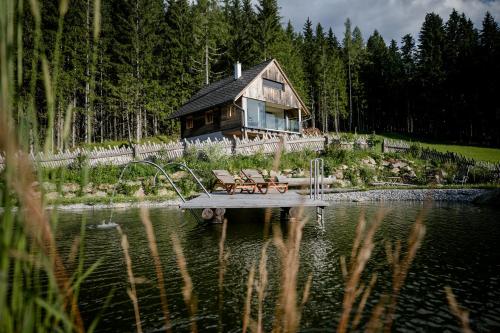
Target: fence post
{"type": "Point", "coordinates": [134, 151]}
{"type": "Point", "coordinates": [284, 143]}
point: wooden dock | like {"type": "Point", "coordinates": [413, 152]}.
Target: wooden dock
{"type": "Point", "coordinates": [273, 199]}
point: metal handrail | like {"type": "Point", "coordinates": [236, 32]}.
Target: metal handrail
{"type": "Point", "coordinates": [316, 179]}
{"type": "Point", "coordinates": [184, 166]}
{"type": "Point", "coordinates": [160, 169]}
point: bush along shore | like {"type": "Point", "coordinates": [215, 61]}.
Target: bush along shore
{"type": "Point", "coordinates": [346, 169]}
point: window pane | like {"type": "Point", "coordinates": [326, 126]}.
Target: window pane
{"type": "Point", "coordinates": [273, 84]}
{"type": "Point", "coordinates": [256, 111]}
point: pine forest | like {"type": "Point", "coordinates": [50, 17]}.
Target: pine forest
{"type": "Point", "coordinates": [124, 67]}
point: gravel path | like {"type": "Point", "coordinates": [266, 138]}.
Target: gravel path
{"type": "Point", "coordinates": [455, 195]}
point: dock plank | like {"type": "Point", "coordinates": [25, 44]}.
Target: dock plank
{"type": "Point", "coordinates": [256, 200]}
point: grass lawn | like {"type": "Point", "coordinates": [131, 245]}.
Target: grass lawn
{"type": "Point", "coordinates": [477, 153]}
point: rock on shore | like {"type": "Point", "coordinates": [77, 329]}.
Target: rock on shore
{"type": "Point", "coordinates": [454, 195]}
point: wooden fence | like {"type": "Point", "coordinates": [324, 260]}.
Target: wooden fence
{"type": "Point", "coordinates": [434, 155]}
{"type": "Point", "coordinates": [268, 144]}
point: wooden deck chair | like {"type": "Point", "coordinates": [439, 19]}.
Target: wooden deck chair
{"type": "Point", "coordinates": [226, 181]}
{"type": "Point", "coordinates": [262, 184]}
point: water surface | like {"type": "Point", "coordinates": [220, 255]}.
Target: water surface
{"type": "Point", "coordinates": [460, 250]}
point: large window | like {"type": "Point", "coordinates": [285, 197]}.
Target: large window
{"type": "Point", "coordinates": [260, 115]}
{"type": "Point", "coordinates": [275, 118]}
{"type": "Point", "coordinates": [256, 113]}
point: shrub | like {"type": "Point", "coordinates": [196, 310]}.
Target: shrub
{"type": "Point", "coordinates": [367, 174]}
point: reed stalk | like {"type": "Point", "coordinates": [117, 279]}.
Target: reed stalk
{"type": "Point", "coordinates": [248, 300]}
{"type": "Point", "coordinates": [223, 257]}
{"type": "Point", "coordinates": [187, 289]}
{"type": "Point", "coordinates": [146, 221]}
{"type": "Point", "coordinates": [401, 267]}
{"type": "Point", "coordinates": [261, 286]}
{"type": "Point", "coordinates": [132, 292]}
{"type": "Point", "coordinates": [287, 317]}
{"type": "Point", "coordinates": [460, 313]}
{"type": "Point", "coordinates": [361, 252]}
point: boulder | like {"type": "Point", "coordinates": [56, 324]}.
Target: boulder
{"type": "Point", "coordinates": [179, 175]}
{"type": "Point", "coordinates": [88, 188]}
{"type": "Point", "coordinates": [163, 192]}
{"type": "Point", "coordinates": [69, 195]}
{"type": "Point", "coordinates": [70, 188]}
{"type": "Point", "coordinates": [339, 174]}
{"type": "Point", "coordinates": [300, 173]}
{"type": "Point", "coordinates": [399, 164]}
{"type": "Point", "coordinates": [52, 195]}
{"type": "Point", "coordinates": [104, 187]}
{"type": "Point", "coordinates": [386, 163]}
{"type": "Point", "coordinates": [342, 183]}
{"type": "Point", "coordinates": [49, 187]}
{"type": "Point", "coordinates": [369, 161]}
{"type": "Point", "coordinates": [139, 193]}
{"type": "Point", "coordinates": [395, 171]}
{"type": "Point", "coordinates": [133, 183]}
{"type": "Point", "coordinates": [100, 194]}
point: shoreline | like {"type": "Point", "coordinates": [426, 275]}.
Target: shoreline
{"type": "Point", "coordinates": [418, 195]}
{"type": "Point", "coordinates": [467, 195]}
{"type": "Point", "coordinates": [117, 205]}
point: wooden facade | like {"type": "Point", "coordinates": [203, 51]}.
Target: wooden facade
{"type": "Point", "coordinates": [276, 106]}
{"type": "Point", "coordinates": [226, 119]}
{"type": "Point", "coordinates": [287, 97]}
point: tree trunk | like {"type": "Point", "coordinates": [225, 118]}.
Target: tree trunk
{"type": "Point", "coordinates": [88, 123]}
{"type": "Point", "coordinates": [73, 121]}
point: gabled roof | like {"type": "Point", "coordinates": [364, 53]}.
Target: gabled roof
{"type": "Point", "coordinates": [225, 91]}
{"type": "Point", "coordinates": [220, 92]}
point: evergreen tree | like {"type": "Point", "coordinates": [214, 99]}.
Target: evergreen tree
{"type": "Point", "coordinates": [180, 49]}
{"type": "Point", "coordinates": [431, 74]}
{"type": "Point", "coordinates": [489, 78]}
{"type": "Point", "coordinates": [408, 59]}
{"type": "Point", "coordinates": [308, 55]}
{"type": "Point", "coordinates": [375, 81]}
{"type": "Point", "coordinates": [268, 29]}
{"type": "Point", "coordinates": [290, 58]}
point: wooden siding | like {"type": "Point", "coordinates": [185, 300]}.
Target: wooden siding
{"type": "Point", "coordinates": [286, 98]}
{"type": "Point", "coordinates": [221, 122]}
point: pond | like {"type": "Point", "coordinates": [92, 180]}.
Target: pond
{"type": "Point", "coordinates": [461, 250]}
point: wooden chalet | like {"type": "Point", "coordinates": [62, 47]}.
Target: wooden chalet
{"type": "Point", "coordinates": [258, 100]}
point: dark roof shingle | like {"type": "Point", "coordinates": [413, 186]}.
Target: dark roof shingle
{"type": "Point", "coordinates": [220, 92]}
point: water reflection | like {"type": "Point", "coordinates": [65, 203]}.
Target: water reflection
{"type": "Point", "coordinates": [460, 250]}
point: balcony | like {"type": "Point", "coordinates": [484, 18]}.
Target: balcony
{"type": "Point", "coordinates": [262, 116]}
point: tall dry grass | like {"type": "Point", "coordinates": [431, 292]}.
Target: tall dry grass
{"type": "Point", "coordinates": [187, 289]}
{"type": "Point", "coordinates": [131, 291]}
{"type": "Point", "coordinates": [460, 313]}
{"type": "Point", "coordinates": [223, 258]}
{"type": "Point", "coordinates": [146, 221]}
{"type": "Point", "coordinates": [28, 250]}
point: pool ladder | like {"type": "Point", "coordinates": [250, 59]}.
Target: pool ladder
{"type": "Point", "coordinates": [317, 186]}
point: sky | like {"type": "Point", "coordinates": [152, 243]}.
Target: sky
{"type": "Point", "coordinates": [392, 18]}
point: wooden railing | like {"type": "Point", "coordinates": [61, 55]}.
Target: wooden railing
{"type": "Point", "coordinates": [267, 144]}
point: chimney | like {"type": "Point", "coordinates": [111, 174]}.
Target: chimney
{"type": "Point", "coordinates": [237, 70]}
